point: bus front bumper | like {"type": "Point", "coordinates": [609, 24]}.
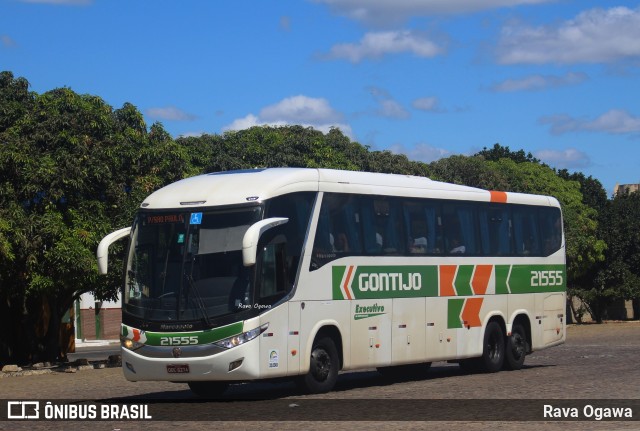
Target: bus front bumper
{"type": "Point", "coordinates": [236, 364]}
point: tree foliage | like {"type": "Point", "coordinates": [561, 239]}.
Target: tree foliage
{"type": "Point", "coordinates": [618, 276]}
{"type": "Point", "coordinates": [71, 170]}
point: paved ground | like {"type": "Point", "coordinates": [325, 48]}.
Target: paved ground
{"type": "Point", "coordinates": [597, 362]}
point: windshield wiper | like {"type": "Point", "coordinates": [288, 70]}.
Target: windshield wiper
{"type": "Point", "coordinates": [197, 299]}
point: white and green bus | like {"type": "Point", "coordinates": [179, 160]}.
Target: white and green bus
{"type": "Point", "coordinates": [272, 273]}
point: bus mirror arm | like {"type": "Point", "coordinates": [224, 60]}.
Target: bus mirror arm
{"type": "Point", "coordinates": [103, 248]}
{"type": "Point", "coordinates": [252, 236]}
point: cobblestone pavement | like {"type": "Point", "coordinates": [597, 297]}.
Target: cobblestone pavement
{"type": "Point", "coordinates": [597, 362]}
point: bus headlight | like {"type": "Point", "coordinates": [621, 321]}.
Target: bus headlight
{"type": "Point", "coordinates": [129, 344]}
{"type": "Point", "coordinates": [236, 340]}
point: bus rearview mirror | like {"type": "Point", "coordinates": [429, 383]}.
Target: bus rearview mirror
{"type": "Point", "coordinates": [252, 236]}
{"type": "Point", "coordinates": [103, 248]}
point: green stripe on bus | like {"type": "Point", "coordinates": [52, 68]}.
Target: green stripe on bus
{"type": "Point", "coordinates": [415, 281]}
{"type": "Point", "coordinates": [454, 308]}
{"type": "Point", "coordinates": [502, 273]}
{"type": "Point", "coordinates": [337, 276]}
{"type": "Point", "coordinates": [463, 280]}
{"type": "Point", "coordinates": [204, 337]}
{"type": "Point", "coordinates": [537, 278]}
{"type": "Point", "coordinates": [371, 282]}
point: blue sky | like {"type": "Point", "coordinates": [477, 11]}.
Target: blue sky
{"type": "Point", "coordinates": [427, 78]}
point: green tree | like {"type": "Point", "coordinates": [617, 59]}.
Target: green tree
{"type": "Point", "coordinates": [468, 171]}
{"type": "Point", "coordinates": [71, 170]}
{"type": "Point", "coordinates": [498, 152]}
{"type": "Point", "coordinates": [618, 277]}
{"type": "Point", "coordinates": [582, 286]}
{"type": "Point", "coordinates": [593, 193]}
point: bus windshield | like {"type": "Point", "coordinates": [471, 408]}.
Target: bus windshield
{"type": "Point", "coordinates": [187, 266]}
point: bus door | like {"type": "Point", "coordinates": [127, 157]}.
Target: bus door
{"type": "Point", "coordinates": [271, 280]}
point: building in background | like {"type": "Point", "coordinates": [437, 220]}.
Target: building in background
{"type": "Point", "coordinates": [625, 188]}
{"type": "Point", "coordinates": [97, 320]}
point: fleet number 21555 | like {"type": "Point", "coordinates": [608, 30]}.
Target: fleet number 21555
{"type": "Point", "coordinates": [178, 341]}
{"type": "Point", "coordinates": [546, 278]}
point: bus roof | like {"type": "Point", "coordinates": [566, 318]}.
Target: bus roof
{"type": "Point", "coordinates": [245, 186]}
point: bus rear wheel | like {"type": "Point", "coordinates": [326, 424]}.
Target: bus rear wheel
{"type": "Point", "coordinates": [517, 347]}
{"type": "Point", "coordinates": [323, 368]}
{"type": "Point", "coordinates": [208, 389]}
{"type": "Point", "coordinates": [493, 351]}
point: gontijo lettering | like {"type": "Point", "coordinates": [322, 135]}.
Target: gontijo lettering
{"type": "Point", "coordinates": [389, 281]}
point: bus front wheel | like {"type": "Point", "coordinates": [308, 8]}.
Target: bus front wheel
{"type": "Point", "coordinates": [323, 367]}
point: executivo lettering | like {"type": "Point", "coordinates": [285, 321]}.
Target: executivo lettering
{"type": "Point", "coordinates": [365, 311]}
{"type": "Point", "coordinates": [375, 308]}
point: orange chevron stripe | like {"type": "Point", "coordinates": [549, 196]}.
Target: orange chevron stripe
{"type": "Point", "coordinates": [345, 288]}
{"type": "Point", "coordinates": [481, 277]}
{"type": "Point", "coordinates": [471, 312]}
{"type": "Point", "coordinates": [447, 275]}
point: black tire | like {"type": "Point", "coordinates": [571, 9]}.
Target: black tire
{"type": "Point", "coordinates": [517, 348]}
{"type": "Point", "coordinates": [323, 368]}
{"type": "Point", "coordinates": [208, 389]}
{"type": "Point", "coordinates": [493, 351]}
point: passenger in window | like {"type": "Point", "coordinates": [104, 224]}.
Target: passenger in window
{"type": "Point", "coordinates": [341, 242]}
{"type": "Point", "coordinates": [418, 244]}
{"type": "Point", "coordinates": [527, 246]}
{"type": "Point", "coordinates": [457, 247]}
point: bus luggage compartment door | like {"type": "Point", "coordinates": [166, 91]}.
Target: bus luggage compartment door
{"type": "Point", "coordinates": [371, 332]}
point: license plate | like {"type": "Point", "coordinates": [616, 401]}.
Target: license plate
{"type": "Point", "coordinates": [178, 369]}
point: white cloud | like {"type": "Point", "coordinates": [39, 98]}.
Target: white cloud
{"type": "Point", "coordinates": [297, 110]}
{"type": "Point", "coordinates": [594, 36]}
{"type": "Point", "coordinates": [386, 12]}
{"type": "Point", "coordinates": [392, 109]}
{"type": "Point", "coordinates": [615, 121]}
{"type": "Point", "coordinates": [430, 104]}
{"type": "Point", "coordinates": [421, 152]}
{"type": "Point", "coordinates": [300, 109]}
{"type": "Point", "coordinates": [539, 82]}
{"type": "Point", "coordinates": [567, 159]}
{"type": "Point", "coordinates": [169, 113]}
{"type": "Point", "coordinates": [378, 44]}
{"type": "Point", "coordinates": [387, 106]}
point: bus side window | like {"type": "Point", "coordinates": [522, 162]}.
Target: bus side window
{"type": "Point", "coordinates": [272, 271]}
{"type": "Point", "coordinates": [382, 224]}
{"type": "Point", "coordinates": [338, 230]}
{"type": "Point", "coordinates": [551, 229]}
{"type": "Point", "coordinates": [496, 227]}
{"type": "Point", "coordinates": [460, 229]}
{"type": "Point", "coordinates": [297, 208]}
{"type": "Point", "coordinates": [525, 231]}
{"type": "Point", "coordinates": [421, 224]}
